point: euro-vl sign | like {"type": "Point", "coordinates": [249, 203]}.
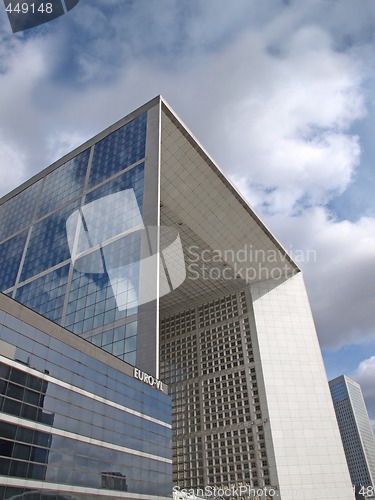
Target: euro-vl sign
{"type": "Point", "coordinates": [31, 13]}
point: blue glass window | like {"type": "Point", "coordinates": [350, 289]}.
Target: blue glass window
{"type": "Point", "coordinates": [131, 179]}
{"type": "Point", "coordinates": [48, 244]}
{"type": "Point", "coordinates": [45, 295]}
{"type": "Point", "coordinates": [119, 150]}
{"type": "Point", "coordinates": [63, 184]}
{"type": "Point", "coordinates": [120, 341]}
{"type": "Point", "coordinates": [92, 303]}
{"type": "Point", "coordinates": [18, 212]}
{"type": "Point", "coordinates": [10, 257]}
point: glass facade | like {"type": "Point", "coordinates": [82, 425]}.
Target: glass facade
{"type": "Point", "coordinates": [70, 419]}
{"type": "Point", "coordinates": [37, 268]}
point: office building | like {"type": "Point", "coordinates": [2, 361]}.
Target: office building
{"type": "Point", "coordinates": [355, 429]}
{"type": "Point", "coordinates": [74, 422]}
{"type": "Point", "coordinates": [138, 243]}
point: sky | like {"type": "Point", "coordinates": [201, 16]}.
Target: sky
{"type": "Point", "coordinates": [280, 93]}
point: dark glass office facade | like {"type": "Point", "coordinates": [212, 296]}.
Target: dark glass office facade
{"type": "Point", "coordinates": [36, 265]}
{"type": "Point", "coordinates": [73, 420]}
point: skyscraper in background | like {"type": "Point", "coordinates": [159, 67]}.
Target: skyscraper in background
{"type": "Point", "coordinates": [138, 243]}
{"type": "Point", "coordinates": [355, 428]}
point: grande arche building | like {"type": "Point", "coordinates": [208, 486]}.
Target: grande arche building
{"type": "Point", "coordinates": [138, 243]}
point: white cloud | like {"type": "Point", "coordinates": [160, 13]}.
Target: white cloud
{"type": "Point", "coordinates": [279, 119]}
{"type": "Point", "coordinates": [9, 177]}
{"type": "Point", "coordinates": [60, 142]}
{"type": "Point", "coordinates": [281, 122]}
{"type": "Point", "coordinates": [365, 376]}
{"type": "Point", "coordinates": [22, 122]}
{"type": "Point", "coordinates": [285, 123]}
{"type": "Point", "coordinates": [341, 279]}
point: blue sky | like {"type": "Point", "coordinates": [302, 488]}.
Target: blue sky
{"type": "Point", "coordinates": [281, 93]}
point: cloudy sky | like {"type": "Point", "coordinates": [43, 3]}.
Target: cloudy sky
{"type": "Point", "coordinates": [280, 92]}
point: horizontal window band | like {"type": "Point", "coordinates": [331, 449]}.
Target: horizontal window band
{"type": "Point", "coordinates": [29, 424]}
{"type": "Point", "coordinates": [66, 488]}
{"type": "Point", "coordinates": [82, 392]}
